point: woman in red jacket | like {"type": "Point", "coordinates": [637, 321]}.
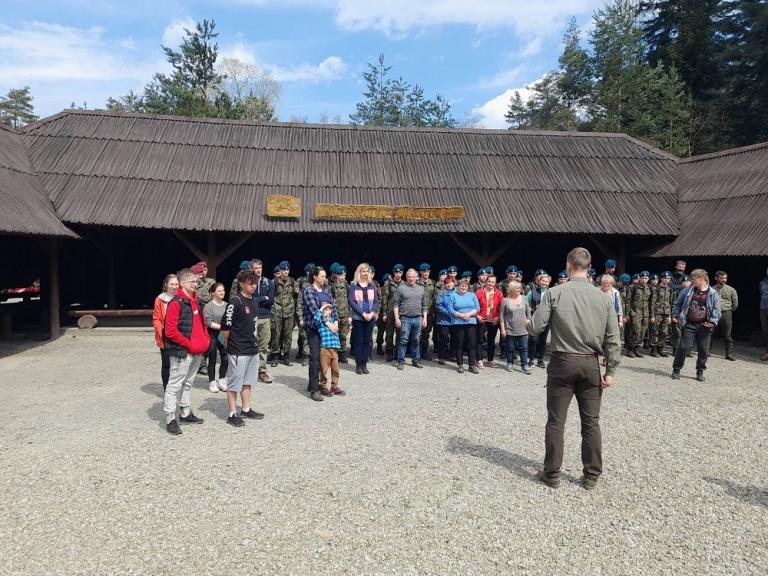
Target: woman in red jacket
{"type": "Point", "coordinates": [170, 285]}
{"type": "Point", "coordinates": [490, 299]}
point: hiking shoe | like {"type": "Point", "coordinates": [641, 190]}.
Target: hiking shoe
{"type": "Point", "coordinates": [552, 482]}
{"type": "Point", "coordinates": [222, 384]}
{"type": "Point", "coordinates": [252, 414]}
{"type": "Point", "coordinates": [235, 421]}
{"type": "Point", "coordinates": [731, 358]}
{"type": "Point", "coordinates": [316, 396]}
{"type": "Point", "coordinates": [191, 419]}
{"type": "Point", "coordinates": [417, 364]}
{"type": "Point", "coordinates": [358, 370]}
{"type": "Point", "coordinates": [510, 367]}
{"type": "Point", "coordinates": [491, 364]}
{"type": "Point", "coordinates": [460, 369]}
{"type": "Point", "coordinates": [401, 366]}
{"type": "Point", "coordinates": [675, 374]}
{"type": "Point", "coordinates": [273, 363]}
{"type": "Point", "coordinates": [365, 369]}
{"type": "Point", "coordinates": [662, 352]}
{"type": "Point", "coordinates": [212, 387]}
{"type": "Point", "coordinates": [326, 392]}
{"type": "Point", "coordinates": [526, 370]}
{"type": "Point", "coordinates": [589, 482]}
{"type": "Point", "coordinates": [266, 378]}
{"type": "Point", "coordinates": [700, 376]}
{"type": "Point", "coordinates": [630, 354]}
{"type": "Point", "coordinates": [173, 427]}
{"type": "Point", "coordinates": [474, 370]}
{"type": "Point", "coordinates": [637, 353]}
{"type": "Point", "coordinates": [338, 392]}
{"type": "Point", "coordinates": [343, 358]}
{"type": "Point", "coordinates": [654, 353]}
{"type": "Point", "coordinates": [540, 364]}
{"type": "Point", "coordinates": [286, 360]}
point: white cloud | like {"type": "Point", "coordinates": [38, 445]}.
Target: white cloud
{"type": "Point", "coordinates": [501, 79]}
{"type": "Point", "coordinates": [492, 113]}
{"type": "Point", "coordinates": [45, 51]}
{"type": "Point", "coordinates": [330, 69]}
{"type": "Point", "coordinates": [174, 33]}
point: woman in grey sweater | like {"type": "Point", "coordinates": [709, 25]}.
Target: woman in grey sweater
{"type": "Point", "coordinates": [515, 314]}
{"type": "Point", "coordinates": [214, 312]}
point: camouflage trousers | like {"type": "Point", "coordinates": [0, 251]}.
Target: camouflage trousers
{"type": "Point", "coordinates": [344, 333]}
{"type": "Point", "coordinates": [393, 336]}
{"type": "Point", "coordinates": [380, 330]}
{"type": "Point", "coordinates": [639, 328]}
{"type": "Point", "coordinates": [659, 331]}
{"type": "Point", "coordinates": [282, 334]}
{"type": "Point", "coordinates": [424, 341]}
{"type": "Point", "coordinates": [302, 344]}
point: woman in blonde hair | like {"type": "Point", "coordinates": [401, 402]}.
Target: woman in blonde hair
{"type": "Point", "coordinates": [364, 304]}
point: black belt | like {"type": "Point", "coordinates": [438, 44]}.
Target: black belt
{"type": "Point", "coordinates": [417, 316]}
{"type": "Point", "coordinates": [574, 354]}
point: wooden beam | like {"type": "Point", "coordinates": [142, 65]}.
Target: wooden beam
{"type": "Point", "coordinates": [54, 311]}
{"type": "Point", "coordinates": [471, 252]}
{"type": "Point", "coordinates": [231, 247]}
{"type": "Point", "coordinates": [186, 240]}
{"type": "Point", "coordinates": [603, 248]}
{"type": "Point", "coordinates": [211, 254]}
{"type": "Point", "coordinates": [503, 248]}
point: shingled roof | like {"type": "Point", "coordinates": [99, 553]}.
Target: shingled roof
{"type": "Point", "coordinates": [152, 171]}
{"type": "Point", "coordinates": [26, 209]}
{"type": "Point", "coordinates": [723, 204]}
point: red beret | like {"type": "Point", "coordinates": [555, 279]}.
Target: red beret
{"type": "Point", "coordinates": [197, 268]}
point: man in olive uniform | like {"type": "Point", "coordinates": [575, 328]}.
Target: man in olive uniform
{"type": "Point", "coordinates": [381, 325]}
{"type": "Point", "coordinates": [610, 269]}
{"type": "Point", "coordinates": [729, 302]}
{"type": "Point", "coordinates": [625, 281]}
{"type": "Point", "coordinates": [283, 314]}
{"type": "Point", "coordinates": [430, 291]}
{"type": "Point", "coordinates": [452, 271]}
{"type": "Point", "coordinates": [511, 277]}
{"type": "Point", "coordinates": [639, 313]}
{"type": "Point", "coordinates": [204, 283]}
{"type": "Point", "coordinates": [339, 290]}
{"type": "Point", "coordinates": [482, 276]}
{"type": "Point", "coordinates": [303, 344]}
{"type": "Point", "coordinates": [562, 278]}
{"type": "Point", "coordinates": [235, 288]}
{"type": "Point", "coordinates": [661, 315]}
{"type": "Point", "coordinates": [388, 305]}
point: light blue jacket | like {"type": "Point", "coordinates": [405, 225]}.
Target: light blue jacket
{"type": "Point", "coordinates": [684, 301]}
{"type": "Point", "coordinates": [441, 305]}
{"type": "Point", "coordinates": [466, 303]}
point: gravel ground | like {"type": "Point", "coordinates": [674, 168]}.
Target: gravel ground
{"type": "Point", "coordinates": [414, 472]}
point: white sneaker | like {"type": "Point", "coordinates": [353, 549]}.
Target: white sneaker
{"type": "Point", "coordinates": [212, 386]}
{"type": "Point", "coordinates": [223, 384]}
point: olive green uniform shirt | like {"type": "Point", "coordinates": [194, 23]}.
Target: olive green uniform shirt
{"type": "Point", "coordinates": [581, 319]}
{"type": "Point", "coordinates": [729, 298]}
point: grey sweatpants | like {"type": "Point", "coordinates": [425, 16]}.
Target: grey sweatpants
{"type": "Point", "coordinates": [179, 390]}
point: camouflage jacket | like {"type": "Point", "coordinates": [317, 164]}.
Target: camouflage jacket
{"type": "Point", "coordinates": [388, 296]}
{"type": "Point", "coordinates": [639, 301]}
{"type": "Point", "coordinates": [202, 289]}
{"type": "Point", "coordinates": [430, 289]}
{"type": "Point", "coordinates": [285, 298]}
{"type": "Point", "coordinates": [662, 301]}
{"type": "Point", "coordinates": [339, 291]}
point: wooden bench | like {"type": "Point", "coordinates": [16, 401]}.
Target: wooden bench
{"type": "Point", "coordinates": [90, 318]}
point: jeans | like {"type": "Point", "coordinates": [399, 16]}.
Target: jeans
{"type": "Point", "coordinates": [216, 345]}
{"type": "Point", "coordinates": [486, 341]}
{"type": "Point", "coordinates": [703, 337]}
{"type": "Point", "coordinates": [410, 331]}
{"type": "Point", "coordinates": [313, 341]}
{"type": "Point", "coordinates": [362, 333]}
{"type": "Point", "coordinates": [460, 333]}
{"type": "Point", "coordinates": [568, 376]}
{"type": "Point", "coordinates": [519, 344]}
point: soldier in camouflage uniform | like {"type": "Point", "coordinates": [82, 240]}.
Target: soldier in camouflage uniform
{"type": "Point", "coordinates": [283, 315]}
{"type": "Point", "coordinates": [661, 315]}
{"type": "Point", "coordinates": [381, 325]}
{"type": "Point", "coordinates": [430, 290]}
{"type": "Point", "coordinates": [623, 287]}
{"type": "Point", "coordinates": [388, 305]}
{"type": "Point", "coordinates": [235, 289]}
{"type": "Point", "coordinates": [204, 284]}
{"type": "Point", "coordinates": [339, 290]}
{"type": "Point", "coordinates": [639, 303]}
{"type": "Point", "coordinates": [303, 344]}
{"type": "Point", "coordinates": [482, 277]}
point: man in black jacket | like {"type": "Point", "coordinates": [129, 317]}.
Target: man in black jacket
{"type": "Point", "coordinates": [263, 298]}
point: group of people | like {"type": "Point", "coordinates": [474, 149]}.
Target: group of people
{"type": "Point", "coordinates": [463, 316]}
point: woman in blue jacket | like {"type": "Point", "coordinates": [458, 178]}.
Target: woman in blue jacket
{"type": "Point", "coordinates": [363, 297]}
{"type": "Point", "coordinates": [463, 306]}
{"type": "Point", "coordinates": [443, 324]}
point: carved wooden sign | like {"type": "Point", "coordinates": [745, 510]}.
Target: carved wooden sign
{"type": "Point", "coordinates": [379, 212]}
{"type": "Point", "coordinates": [279, 206]}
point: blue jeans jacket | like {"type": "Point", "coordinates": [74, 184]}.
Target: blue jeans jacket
{"type": "Point", "coordinates": [684, 301]}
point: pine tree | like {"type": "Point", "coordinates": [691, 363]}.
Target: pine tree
{"type": "Point", "coordinates": [194, 63]}
{"type": "Point", "coordinates": [16, 109]}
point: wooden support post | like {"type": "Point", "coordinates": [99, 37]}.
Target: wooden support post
{"type": "Point", "coordinates": [603, 248]}
{"type": "Point", "coordinates": [211, 256]}
{"type": "Point", "coordinates": [111, 273]}
{"type": "Point", "coordinates": [471, 252]}
{"type": "Point", "coordinates": [190, 245]}
{"type": "Point", "coordinates": [54, 289]}
{"type": "Point", "coordinates": [483, 259]}
{"type": "Point", "coordinates": [621, 257]}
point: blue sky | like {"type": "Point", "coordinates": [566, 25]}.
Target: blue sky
{"type": "Point", "coordinates": [473, 52]}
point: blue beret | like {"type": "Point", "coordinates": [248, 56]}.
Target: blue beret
{"type": "Point", "coordinates": [466, 274]}
{"type": "Point", "coordinates": [635, 275]}
{"type": "Point", "coordinates": [372, 269]}
{"type": "Point", "coordinates": [654, 276]}
{"type": "Point", "coordinates": [540, 271]}
{"type": "Point", "coordinates": [610, 263]}
{"type": "Point", "coordinates": [425, 266]}
{"type": "Point", "coordinates": [309, 266]}
{"type": "Point", "coordinates": [624, 278]}
{"type": "Point", "coordinates": [452, 269]}
{"type": "Point", "coordinates": [511, 268]}
{"type": "Point", "coordinates": [387, 277]}
{"type": "Point", "coordinates": [520, 272]}
{"type": "Point", "coordinates": [341, 269]}
{"type": "Point", "coordinates": [442, 272]}
{"type": "Point", "coordinates": [591, 272]}
{"type": "Point", "coordinates": [685, 277]}
{"type": "Point", "coordinates": [563, 274]}
{"type": "Point", "coordinates": [489, 269]}
{"type": "Point", "coordinates": [276, 268]}
{"type": "Point", "coordinates": [645, 273]}
{"type": "Point", "coordinates": [481, 271]}
{"type": "Point", "coordinates": [245, 264]}
{"type": "Point", "coordinates": [666, 274]}
{"type": "Point", "coordinates": [397, 268]}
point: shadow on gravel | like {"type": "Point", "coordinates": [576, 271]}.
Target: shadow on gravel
{"type": "Point", "coordinates": [747, 494]}
{"type": "Point", "coordinates": [654, 371]}
{"type": "Point", "coordinates": [153, 389]}
{"type": "Point", "coordinates": [216, 405]}
{"type": "Point", "coordinates": [521, 466]}
{"type": "Point", "coordinates": [155, 412]}
{"type": "Point", "coordinates": [296, 383]}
